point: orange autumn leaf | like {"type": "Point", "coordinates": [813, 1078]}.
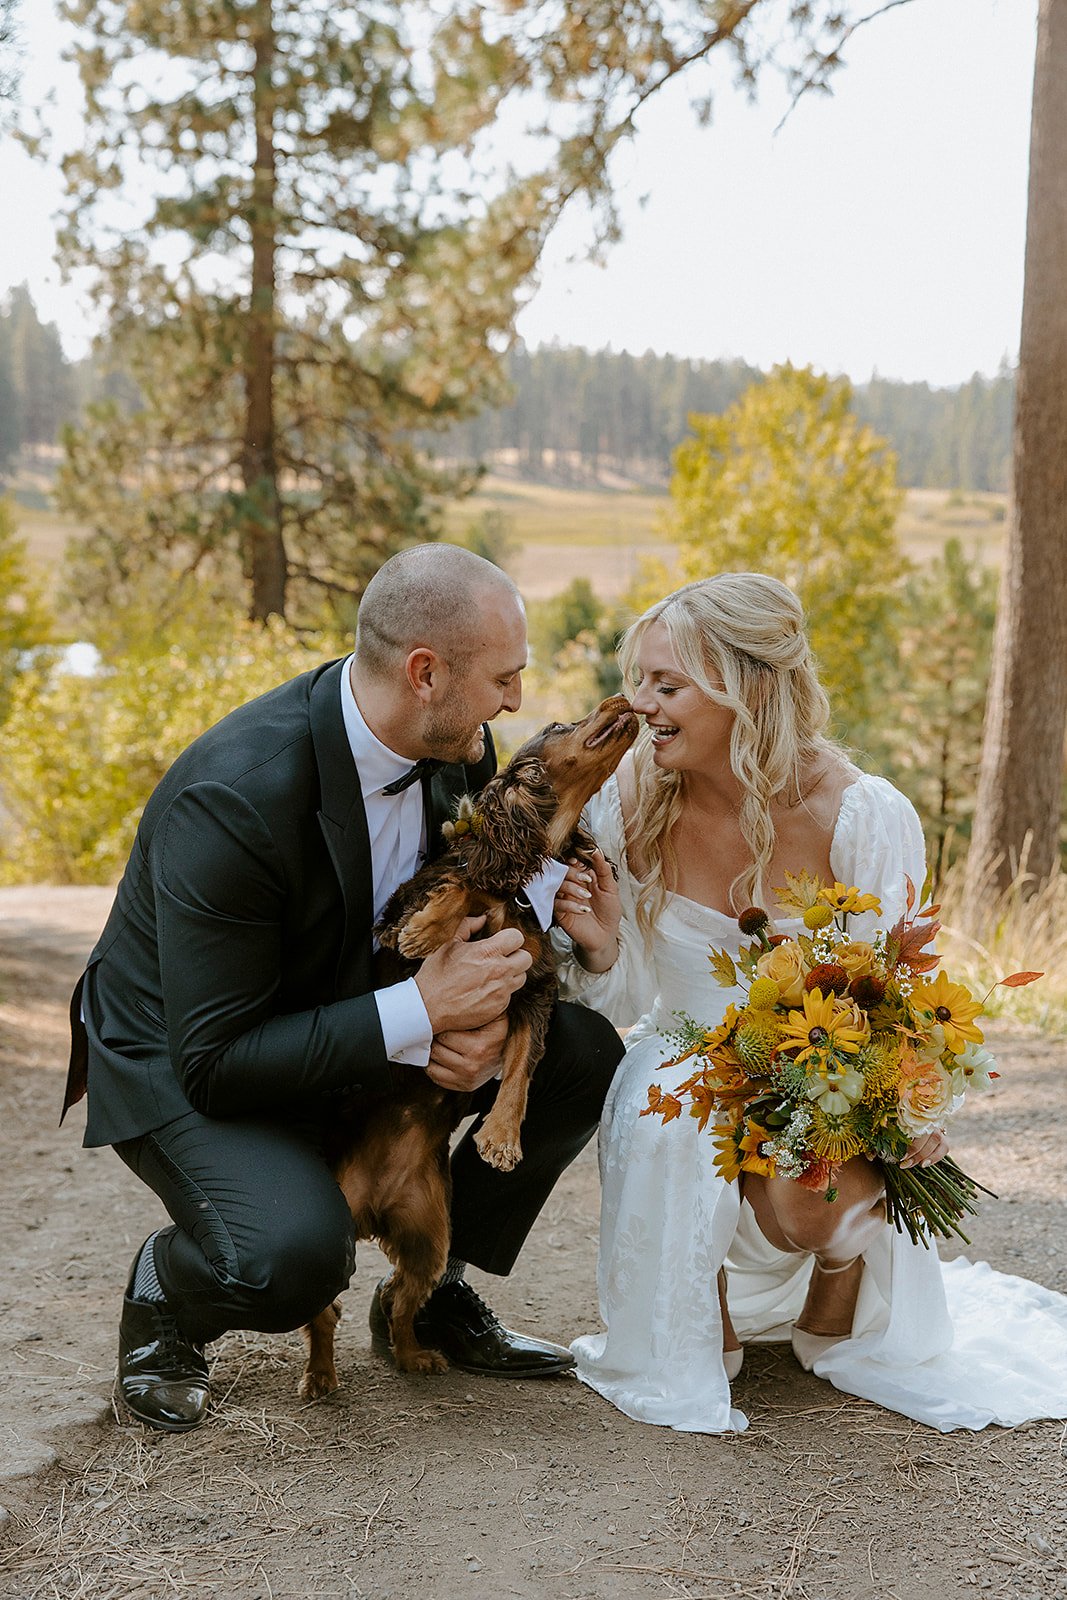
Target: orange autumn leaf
{"type": "Point", "coordinates": [667, 1106]}
{"type": "Point", "coordinates": [703, 1106]}
{"type": "Point", "coordinates": [655, 1095]}
{"type": "Point", "coordinates": [908, 939]}
{"type": "Point", "coordinates": [1018, 979]}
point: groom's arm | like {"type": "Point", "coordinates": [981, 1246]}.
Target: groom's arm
{"type": "Point", "coordinates": [220, 896]}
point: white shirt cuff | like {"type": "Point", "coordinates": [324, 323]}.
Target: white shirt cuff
{"type": "Point", "coordinates": [405, 1024]}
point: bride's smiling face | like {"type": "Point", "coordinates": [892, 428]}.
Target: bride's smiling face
{"type": "Point", "coordinates": [689, 731]}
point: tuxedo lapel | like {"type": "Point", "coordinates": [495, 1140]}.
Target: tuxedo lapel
{"type": "Point", "coordinates": [343, 821]}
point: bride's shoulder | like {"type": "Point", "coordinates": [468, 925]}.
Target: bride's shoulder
{"type": "Point", "coordinates": [824, 788]}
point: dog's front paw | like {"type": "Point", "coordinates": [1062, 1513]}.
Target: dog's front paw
{"type": "Point", "coordinates": [316, 1384]}
{"type": "Point", "coordinates": [430, 1361]}
{"type": "Point", "coordinates": [500, 1151]}
{"type": "Point", "coordinates": [413, 942]}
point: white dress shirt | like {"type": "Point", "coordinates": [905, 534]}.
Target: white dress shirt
{"type": "Point", "coordinates": [396, 826]}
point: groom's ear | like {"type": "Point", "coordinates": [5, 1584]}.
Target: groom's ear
{"type": "Point", "coordinates": [426, 673]}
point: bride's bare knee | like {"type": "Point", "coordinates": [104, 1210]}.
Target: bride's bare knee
{"type": "Point", "coordinates": [794, 1218]}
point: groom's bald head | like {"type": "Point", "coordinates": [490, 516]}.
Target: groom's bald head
{"type": "Point", "coordinates": [434, 596]}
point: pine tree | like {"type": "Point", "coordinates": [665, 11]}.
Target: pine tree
{"type": "Point", "coordinates": [1020, 792]}
{"type": "Point", "coordinates": [330, 262]}
{"type": "Point", "coordinates": [935, 732]}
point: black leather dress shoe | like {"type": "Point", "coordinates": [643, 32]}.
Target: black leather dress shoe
{"type": "Point", "coordinates": [458, 1322]}
{"type": "Point", "coordinates": [162, 1378]}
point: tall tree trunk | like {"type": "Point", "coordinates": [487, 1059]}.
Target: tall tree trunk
{"type": "Point", "coordinates": [263, 543]}
{"type": "Point", "coordinates": [1021, 783]}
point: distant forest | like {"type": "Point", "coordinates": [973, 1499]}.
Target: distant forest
{"type": "Point", "coordinates": [576, 415]}
{"type": "Point", "coordinates": [584, 414]}
{"type": "Point", "coordinates": [40, 390]}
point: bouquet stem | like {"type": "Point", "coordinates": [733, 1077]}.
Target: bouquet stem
{"type": "Point", "coordinates": [926, 1202]}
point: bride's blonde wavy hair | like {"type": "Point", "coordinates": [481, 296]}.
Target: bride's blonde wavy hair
{"type": "Point", "coordinates": [745, 632]}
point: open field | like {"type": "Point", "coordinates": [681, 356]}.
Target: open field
{"type": "Point", "coordinates": [600, 534]}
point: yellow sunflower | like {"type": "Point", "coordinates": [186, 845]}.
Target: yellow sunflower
{"type": "Point", "coordinates": [727, 1160]}
{"type": "Point", "coordinates": [715, 1038]}
{"type": "Point", "coordinates": [950, 1007]}
{"type": "Point", "coordinates": [751, 1160]}
{"type": "Point", "coordinates": [823, 1025]}
{"type": "Point", "coordinates": [735, 1155]}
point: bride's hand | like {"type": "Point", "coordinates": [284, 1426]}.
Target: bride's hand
{"type": "Point", "coordinates": [588, 909]}
{"type": "Point", "coordinates": [925, 1151]}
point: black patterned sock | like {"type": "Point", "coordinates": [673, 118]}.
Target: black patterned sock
{"type": "Point", "coordinates": [145, 1282]}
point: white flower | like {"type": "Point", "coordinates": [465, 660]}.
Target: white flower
{"type": "Point", "coordinates": [973, 1069]}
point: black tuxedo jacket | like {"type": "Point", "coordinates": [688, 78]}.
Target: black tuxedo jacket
{"type": "Point", "coordinates": [233, 976]}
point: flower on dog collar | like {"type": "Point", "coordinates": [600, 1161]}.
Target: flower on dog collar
{"type": "Point", "coordinates": [467, 821]}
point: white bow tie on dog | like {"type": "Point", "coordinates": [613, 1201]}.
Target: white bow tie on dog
{"type": "Point", "coordinates": [541, 891]}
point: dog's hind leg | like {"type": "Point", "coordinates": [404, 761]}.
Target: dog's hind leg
{"type": "Point", "coordinates": [415, 1239]}
{"type": "Point", "coordinates": [320, 1373]}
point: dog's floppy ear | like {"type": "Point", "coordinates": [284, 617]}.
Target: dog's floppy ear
{"type": "Point", "coordinates": [514, 811]}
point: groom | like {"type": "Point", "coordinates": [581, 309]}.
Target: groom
{"type": "Point", "coordinates": [230, 998]}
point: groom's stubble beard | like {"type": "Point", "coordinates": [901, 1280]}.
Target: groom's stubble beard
{"type": "Point", "coordinates": [450, 736]}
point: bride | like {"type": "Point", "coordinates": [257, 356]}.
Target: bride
{"type": "Point", "coordinates": [732, 784]}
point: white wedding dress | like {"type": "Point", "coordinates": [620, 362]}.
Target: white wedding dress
{"type": "Point", "coordinates": [953, 1345]}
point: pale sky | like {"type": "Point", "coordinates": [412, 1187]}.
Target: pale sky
{"type": "Point", "coordinates": [881, 229]}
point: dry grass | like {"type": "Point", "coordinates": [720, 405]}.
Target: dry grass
{"type": "Point", "coordinates": [1024, 929]}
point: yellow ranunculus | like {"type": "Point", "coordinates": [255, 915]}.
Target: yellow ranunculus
{"type": "Point", "coordinates": [785, 964]}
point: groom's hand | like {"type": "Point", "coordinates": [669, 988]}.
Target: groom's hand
{"type": "Point", "coordinates": [466, 984]}
{"type": "Point", "coordinates": [467, 1059]}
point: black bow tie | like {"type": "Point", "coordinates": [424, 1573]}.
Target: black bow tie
{"type": "Point", "coordinates": [425, 767]}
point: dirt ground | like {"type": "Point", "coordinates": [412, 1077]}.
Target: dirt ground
{"type": "Point", "coordinates": [455, 1486]}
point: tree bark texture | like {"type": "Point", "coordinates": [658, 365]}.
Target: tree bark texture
{"type": "Point", "coordinates": [1021, 783]}
{"type": "Point", "coordinates": [262, 539]}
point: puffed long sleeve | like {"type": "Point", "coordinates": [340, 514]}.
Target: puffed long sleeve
{"type": "Point", "coordinates": [878, 846]}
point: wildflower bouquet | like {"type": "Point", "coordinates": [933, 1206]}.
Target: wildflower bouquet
{"type": "Point", "coordinates": [843, 1047]}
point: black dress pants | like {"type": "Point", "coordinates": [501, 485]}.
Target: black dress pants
{"type": "Point", "coordinates": [262, 1235]}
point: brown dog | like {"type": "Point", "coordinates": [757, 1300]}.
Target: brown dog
{"type": "Point", "coordinates": [393, 1163]}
